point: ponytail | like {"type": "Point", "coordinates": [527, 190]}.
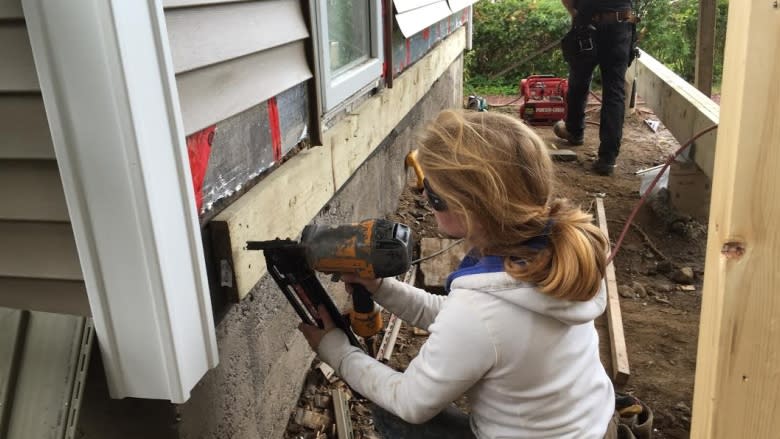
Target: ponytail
{"type": "Point", "coordinates": [573, 264]}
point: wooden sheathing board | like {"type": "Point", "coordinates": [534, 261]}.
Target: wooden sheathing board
{"type": "Point", "coordinates": [738, 360]}
{"type": "Point", "coordinates": [436, 269]}
{"type": "Point", "coordinates": [617, 339]}
{"type": "Point", "coordinates": [289, 198]}
{"type": "Point", "coordinates": [42, 373]}
{"type": "Point", "coordinates": [682, 108]}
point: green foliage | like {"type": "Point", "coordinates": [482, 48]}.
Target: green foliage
{"type": "Point", "coordinates": [668, 33]}
{"type": "Point", "coordinates": [507, 32]}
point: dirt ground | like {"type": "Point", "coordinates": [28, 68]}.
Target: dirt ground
{"type": "Point", "coordinates": [660, 316]}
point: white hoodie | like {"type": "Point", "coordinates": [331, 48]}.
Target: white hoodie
{"type": "Point", "coordinates": [529, 362]}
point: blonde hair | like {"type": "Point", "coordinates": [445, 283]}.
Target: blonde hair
{"type": "Point", "coordinates": [495, 172]}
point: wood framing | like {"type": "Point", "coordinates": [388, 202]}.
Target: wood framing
{"type": "Point", "coordinates": [705, 45]}
{"type": "Point", "coordinates": [737, 387]}
{"type": "Point", "coordinates": [282, 204]}
{"type": "Point", "coordinates": [110, 98]}
{"type": "Point", "coordinates": [682, 108]}
{"type": "Point", "coordinates": [617, 339]}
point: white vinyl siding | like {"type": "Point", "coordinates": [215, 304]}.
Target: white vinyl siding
{"type": "Point", "coordinates": [413, 16]}
{"type": "Point", "coordinates": [231, 56]}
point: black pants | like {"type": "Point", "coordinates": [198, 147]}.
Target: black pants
{"type": "Point", "coordinates": [613, 44]}
{"type": "Point", "coordinates": [451, 423]}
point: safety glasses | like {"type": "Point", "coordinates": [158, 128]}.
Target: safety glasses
{"type": "Point", "coordinates": [437, 203]}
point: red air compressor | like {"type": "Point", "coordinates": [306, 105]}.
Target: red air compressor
{"type": "Point", "coordinates": [544, 99]}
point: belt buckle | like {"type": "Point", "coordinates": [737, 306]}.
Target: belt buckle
{"type": "Point", "coordinates": [617, 16]}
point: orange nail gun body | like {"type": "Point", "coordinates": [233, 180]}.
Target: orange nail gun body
{"type": "Point", "coordinates": [370, 249]}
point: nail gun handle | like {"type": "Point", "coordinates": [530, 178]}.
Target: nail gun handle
{"type": "Point", "coordinates": [365, 318]}
{"type": "Point", "coordinates": [361, 299]}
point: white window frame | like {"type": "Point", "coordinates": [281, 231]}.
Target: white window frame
{"type": "Point", "coordinates": [336, 90]}
{"type": "Point", "coordinates": [115, 120]}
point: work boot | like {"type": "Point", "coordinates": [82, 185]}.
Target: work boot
{"type": "Point", "coordinates": [601, 167]}
{"type": "Point", "coordinates": [635, 415]}
{"type": "Point", "coordinates": [560, 130]}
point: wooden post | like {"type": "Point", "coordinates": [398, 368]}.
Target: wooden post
{"type": "Point", "coordinates": [705, 45]}
{"type": "Point", "coordinates": [737, 385]}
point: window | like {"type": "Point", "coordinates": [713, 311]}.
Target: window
{"type": "Point", "coordinates": [349, 47]}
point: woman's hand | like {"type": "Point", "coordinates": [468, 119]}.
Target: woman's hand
{"type": "Point", "coordinates": [313, 333]}
{"type": "Point", "coordinates": [371, 284]}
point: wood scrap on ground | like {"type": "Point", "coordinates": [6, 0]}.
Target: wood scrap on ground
{"type": "Point", "coordinates": [620, 369]}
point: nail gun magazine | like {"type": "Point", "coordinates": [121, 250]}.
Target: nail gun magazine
{"type": "Point", "coordinates": [373, 248]}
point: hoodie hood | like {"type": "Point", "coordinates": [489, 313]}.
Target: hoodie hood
{"type": "Point", "coordinates": [487, 275]}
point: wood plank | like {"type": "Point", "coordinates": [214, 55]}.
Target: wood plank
{"type": "Point", "coordinates": [25, 128]}
{"type": "Point", "coordinates": [289, 198]}
{"type": "Point", "coordinates": [342, 414]}
{"type": "Point", "coordinates": [736, 389]}
{"type": "Point", "coordinates": [13, 325]}
{"type": "Point", "coordinates": [59, 296]}
{"type": "Point", "coordinates": [31, 190]}
{"type": "Point", "coordinates": [18, 72]}
{"type": "Point", "coordinates": [208, 35]}
{"type": "Point", "coordinates": [49, 362]}
{"type": "Point", "coordinates": [435, 270]}
{"type": "Point", "coordinates": [617, 339]}
{"type": "Point", "coordinates": [705, 45]}
{"type": "Point", "coordinates": [11, 9]}
{"type": "Point", "coordinates": [682, 108]}
{"type": "Point", "coordinates": [212, 94]}
{"type": "Point", "coordinates": [38, 250]}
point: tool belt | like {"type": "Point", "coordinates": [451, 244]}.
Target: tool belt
{"type": "Point", "coordinates": [609, 17]}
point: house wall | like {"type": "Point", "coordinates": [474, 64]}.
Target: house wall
{"type": "Point", "coordinates": [39, 265]}
{"type": "Point", "coordinates": [263, 359]}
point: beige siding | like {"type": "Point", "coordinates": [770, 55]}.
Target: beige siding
{"type": "Point", "coordinates": [39, 265]}
{"type": "Point", "coordinates": [38, 250]}
{"type": "Point", "coordinates": [230, 56]}
{"type": "Point", "coordinates": [18, 72]}
{"type": "Point", "coordinates": [24, 128]}
{"type": "Point", "coordinates": [31, 190]}
{"type": "Point", "coordinates": [10, 9]}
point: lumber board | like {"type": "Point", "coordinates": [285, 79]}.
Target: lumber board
{"type": "Point", "coordinates": [436, 269]}
{"type": "Point", "coordinates": [284, 202]}
{"type": "Point", "coordinates": [705, 45]}
{"type": "Point", "coordinates": [617, 339]}
{"type": "Point", "coordinates": [342, 414]}
{"type": "Point", "coordinates": [682, 108]}
{"type": "Point", "coordinates": [737, 387]}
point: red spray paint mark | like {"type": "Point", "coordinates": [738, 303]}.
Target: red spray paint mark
{"type": "Point", "coordinates": [383, 73]}
{"type": "Point", "coordinates": [426, 33]}
{"type": "Point", "coordinates": [198, 151]}
{"type": "Point", "coordinates": [408, 52]}
{"type": "Point", "coordinates": [276, 130]}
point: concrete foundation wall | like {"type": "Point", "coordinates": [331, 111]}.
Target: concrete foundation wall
{"type": "Point", "coordinates": [263, 358]}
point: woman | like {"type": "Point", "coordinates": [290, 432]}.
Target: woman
{"type": "Point", "coordinates": [515, 332]}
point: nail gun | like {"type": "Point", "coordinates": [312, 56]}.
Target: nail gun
{"type": "Point", "coordinates": [373, 248]}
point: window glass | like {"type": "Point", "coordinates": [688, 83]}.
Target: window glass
{"type": "Point", "coordinates": [348, 34]}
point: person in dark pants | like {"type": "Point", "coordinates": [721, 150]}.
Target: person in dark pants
{"type": "Point", "coordinates": [602, 35]}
